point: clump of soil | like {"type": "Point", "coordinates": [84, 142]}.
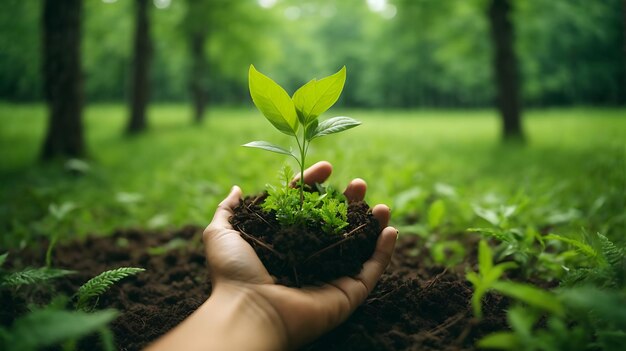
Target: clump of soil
{"type": "Point", "coordinates": [415, 306]}
{"type": "Point", "coordinates": [306, 255]}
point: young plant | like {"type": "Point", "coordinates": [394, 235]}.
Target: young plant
{"type": "Point", "coordinates": [297, 116]}
{"type": "Point", "coordinates": [97, 285]}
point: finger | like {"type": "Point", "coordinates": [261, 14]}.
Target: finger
{"type": "Point", "coordinates": [356, 289]}
{"type": "Point", "coordinates": [382, 213]}
{"type": "Point", "coordinates": [225, 209]}
{"type": "Point", "coordinates": [356, 190]}
{"type": "Point", "coordinates": [318, 173]}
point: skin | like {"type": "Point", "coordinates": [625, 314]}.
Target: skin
{"type": "Point", "coordinates": [248, 311]}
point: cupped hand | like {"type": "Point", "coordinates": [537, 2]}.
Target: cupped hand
{"type": "Point", "coordinates": [295, 315]}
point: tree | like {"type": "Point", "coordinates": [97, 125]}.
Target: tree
{"type": "Point", "coordinates": [140, 90]}
{"type": "Point", "coordinates": [505, 68]}
{"type": "Point", "coordinates": [61, 22]}
{"type": "Point", "coordinates": [197, 30]}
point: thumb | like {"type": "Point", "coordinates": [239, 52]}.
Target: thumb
{"type": "Point", "coordinates": [225, 209]}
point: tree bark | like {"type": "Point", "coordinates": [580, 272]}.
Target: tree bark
{"type": "Point", "coordinates": [62, 80]}
{"type": "Point", "coordinates": [505, 68]}
{"type": "Point", "coordinates": [140, 90]}
{"type": "Point", "coordinates": [197, 74]}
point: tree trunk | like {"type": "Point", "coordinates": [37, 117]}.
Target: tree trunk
{"type": "Point", "coordinates": [505, 68]}
{"type": "Point", "coordinates": [623, 95]}
{"type": "Point", "coordinates": [140, 90]}
{"type": "Point", "coordinates": [62, 81]}
{"type": "Point", "coordinates": [197, 74]}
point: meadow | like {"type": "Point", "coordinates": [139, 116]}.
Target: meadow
{"type": "Point", "coordinates": [499, 237]}
{"type": "Point", "coordinates": [569, 177]}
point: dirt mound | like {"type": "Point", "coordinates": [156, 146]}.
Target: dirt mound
{"type": "Point", "coordinates": [414, 306]}
{"type": "Point", "coordinates": [305, 255]}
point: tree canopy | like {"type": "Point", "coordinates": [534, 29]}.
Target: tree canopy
{"type": "Point", "coordinates": [399, 53]}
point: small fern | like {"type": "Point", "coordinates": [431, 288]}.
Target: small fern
{"type": "Point", "coordinates": [605, 271]}
{"type": "Point", "coordinates": [101, 283]}
{"type": "Point", "coordinates": [615, 259]}
{"type": "Point", "coordinates": [31, 275]}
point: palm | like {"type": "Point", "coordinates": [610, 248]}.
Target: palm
{"type": "Point", "coordinates": [233, 261]}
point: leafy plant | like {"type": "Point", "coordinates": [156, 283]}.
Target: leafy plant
{"type": "Point", "coordinates": [97, 285]}
{"type": "Point", "coordinates": [587, 312]}
{"type": "Point", "coordinates": [488, 274]}
{"type": "Point", "coordinates": [297, 116]}
{"type": "Point", "coordinates": [326, 207]}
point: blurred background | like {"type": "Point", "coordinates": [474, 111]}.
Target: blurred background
{"type": "Point", "coordinates": [141, 104]}
{"type": "Point", "coordinates": [399, 53]}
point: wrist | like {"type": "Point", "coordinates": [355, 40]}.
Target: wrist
{"type": "Point", "coordinates": [234, 317]}
{"type": "Point", "coordinates": [240, 314]}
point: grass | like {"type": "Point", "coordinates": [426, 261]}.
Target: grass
{"type": "Point", "coordinates": [568, 179]}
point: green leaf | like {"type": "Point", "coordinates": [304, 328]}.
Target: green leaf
{"type": "Point", "coordinates": [531, 295]}
{"type": "Point", "coordinates": [334, 125]}
{"type": "Point", "coordinates": [317, 96]}
{"type": "Point", "coordinates": [485, 257]}
{"type": "Point", "coordinates": [522, 320]}
{"type": "Point", "coordinates": [436, 212]}
{"type": "Point", "coordinates": [48, 327]}
{"type": "Point", "coordinates": [499, 340]}
{"type": "Point", "coordinates": [273, 101]}
{"type": "Point", "coordinates": [267, 146]}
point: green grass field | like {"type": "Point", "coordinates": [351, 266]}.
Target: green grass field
{"type": "Point", "coordinates": [568, 179]}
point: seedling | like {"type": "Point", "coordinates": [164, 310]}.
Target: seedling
{"type": "Point", "coordinates": [297, 116]}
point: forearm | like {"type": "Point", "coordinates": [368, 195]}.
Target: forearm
{"type": "Point", "coordinates": [233, 318]}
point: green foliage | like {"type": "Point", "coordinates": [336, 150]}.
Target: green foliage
{"type": "Point", "coordinates": [448, 253]}
{"type": "Point", "coordinates": [605, 267]}
{"type": "Point", "coordinates": [436, 213]}
{"type": "Point", "coordinates": [273, 101]}
{"type": "Point", "coordinates": [328, 209]}
{"type": "Point", "coordinates": [487, 277]}
{"type": "Point", "coordinates": [101, 283]}
{"type": "Point", "coordinates": [589, 311]}
{"type": "Point", "coordinates": [50, 326]}
{"type": "Point", "coordinates": [31, 276]}
{"type": "Point", "coordinates": [317, 96]}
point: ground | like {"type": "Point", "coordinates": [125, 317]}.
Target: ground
{"type": "Point", "coordinates": [568, 179]}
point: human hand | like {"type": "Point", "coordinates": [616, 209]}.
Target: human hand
{"type": "Point", "coordinates": [271, 316]}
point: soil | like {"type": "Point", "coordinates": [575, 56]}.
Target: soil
{"type": "Point", "coordinates": [415, 306]}
{"type": "Point", "coordinates": [306, 255]}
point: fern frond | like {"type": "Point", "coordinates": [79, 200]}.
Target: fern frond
{"type": "Point", "coordinates": [613, 255]}
{"type": "Point", "coordinates": [578, 245]}
{"type": "Point", "coordinates": [32, 276]}
{"type": "Point", "coordinates": [101, 283]}
{"type": "Point", "coordinates": [3, 258]}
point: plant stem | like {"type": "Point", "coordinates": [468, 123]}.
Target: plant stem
{"type": "Point", "coordinates": [301, 147]}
